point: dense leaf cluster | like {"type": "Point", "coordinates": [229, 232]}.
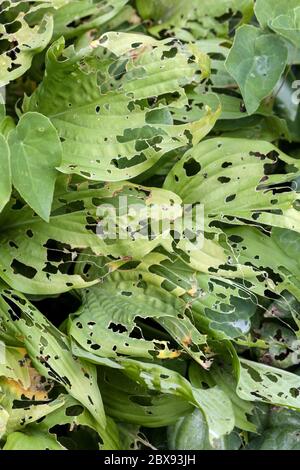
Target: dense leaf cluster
{"type": "Point", "coordinates": [139, 342]}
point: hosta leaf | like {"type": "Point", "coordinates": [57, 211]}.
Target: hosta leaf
{"type": "Point", "coordinates": [74, 415]}
{"type": "Point", "coordinates": [36, 256]}
{"type": "Point", "coordinates": [281, 431]}
{"type": "Point", "coordinates": [256, 61]}
{"type": "Point", "coordinates": [28, 412]}
{"type": "Point", "coordinates": [19, 41]}
{"type": "Point", "coordinates": [192, 20]}
{"type": "Point", "coordinates": [6, 125]}
{"type": "Point", "coordinates": [259, 382]}
{"type": "Point", "coordinates": [279, 438]}
{"type": "Point", "coordinates": [5, 175]}
{"type": "Point", "coordinates": [130, 402]}
{"type": "Point", "coordinates": [19, 372]}
{"type": "Point", "coordinates": [284, 347]}
{"type": "Point", "coordinates": [213, 402]}
{"type": "Point", "coordinates": [220, 306]}
{"type": "Point", "coordinates": [110, 314]}
{"type": "Point", "coordinates": [72, 18]}
{"type": "Point", "coordinates": [255, 247]}
{"type": "Point", "coordinates": [217, 49]}
{"type": "Point", "coordinates": [191, 433]}
{"type": "Point", "coordinates": [78, 351]}
{"type": "Point", "coordinates": [64, 410]}
{"type": "Point", "coordinates": [232, 123]}
{"type": "Point", "coordinates": [32, 438]}
{"type": "Point", "coordinates": [22, 383]}
{"type": "Point", "coordinates": [35, 153]}
{"type": "Point", "coordinates": [161, 313]}
{"type": "Point", "coordinates": [115, 130]}
{"type": "Point", "coordinates": [222, 376]}
{"type": "Point", "coordinates": [50, 353]}
{"type": "Point", "coordinates": [283, 18]}
{"type": "Point", "coordinates": [67, 18]}
{"type": "Point", "coordinates": [233, 179]}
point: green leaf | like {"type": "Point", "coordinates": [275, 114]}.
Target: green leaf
{"type": "Point", "coordinates": [74, 415]}
{"type": "Point", "coordinates": [130, 402]}
{"type": "Point", "coordinates": [13, 367]}
{"type": "Point", "coordinates": [259, 382]}
{"type": "Point", "coordinates": [5, 175]}
{"type": "Point", "coordinates": [195, 20]}
{"type": "Point", "coordinates": [255, 247]}
{"type": "Point", "coordinates": [190, 279]}
{"type": "Point", "coordinates": [115, 130]}
{"type": "Point", "coordinates": [231, 178]}
{"type": "Point", "coordinates": [68, 17]}
{"type": "Point", "coordinates": [6, 125]}
{"type": "Point", "coordinates": [191, 433]}
{"type": "Point", "coordinates": [29, 412]}
{"type": "Point", "coordinates": [118, 304]}
{"type": "Point", "coordinates": [281, 438]}
{"type": "Point", "coordinates": [35, 153]}
{"type": "Point", "coordinates": [256, 61]}
{"type": "Point", "coordinates": [37, 257]}
{"type": "Point", "coordinates": [213, 402]}
{"type": "Point", "coordinates": [280, 431]}
{"type": "Point", "coordinates": [50, 352]}
{"type": "Point", "coordinates": [270, 128]}
{"type": "Point", "coordinates": [283, 18]}
{"type": "Point", "coordinates": [221, 375]}
{"type": "Point", "coordinates": [23, 41]}
{"type": "Point", "coordinates": [283, 350]}
{"type": "Point", "coordinates": [32, 439]}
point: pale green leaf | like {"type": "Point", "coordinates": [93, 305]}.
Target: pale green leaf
{"type": "Point", "coordinates": [36, 256]}
{"type": "Point", "coordinates": [24, 41]}
{"type": "Point", "coordinates": [32, 439]}
{"type": "Point", "coordinates": [50, 352]}
{"type": "Point", "coordinates": [190, 279]}
{"type": "Point", "coordinates": [193, 19]}
{"type": "Point", "coordinates": [74, 415]}
{"type": "Point", "coordinates": [6, 125]}
{"type": "Point", "coordinates": [67, 18]}
{"type": "Point", "coordinates": [233, 179]}
{"type": "Point", "coordinates": [259, 382]}
{"type": "Point", "coordinates": [115, 307]}
{"type": "Point", "coordinates": [114, 130]}
{"type": "Point", "coordinates": [255, 247]}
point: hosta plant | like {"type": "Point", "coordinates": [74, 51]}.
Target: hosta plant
{"type": "Point", "coordinates": [149, 339]}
